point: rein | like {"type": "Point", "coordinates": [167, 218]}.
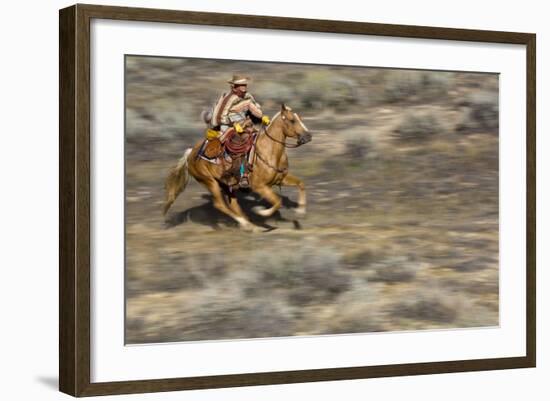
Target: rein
{"type": "Point", "coordinates": [279, 170]}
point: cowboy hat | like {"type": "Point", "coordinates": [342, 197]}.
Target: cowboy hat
{"type": "Point", "coordinates": [239, 80]}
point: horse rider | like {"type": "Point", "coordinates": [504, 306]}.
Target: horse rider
{"type": "Point", "coordinates": [239, 110]}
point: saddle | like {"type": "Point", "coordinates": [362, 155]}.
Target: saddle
{"type": "Point", "coordinates": [231, 153]}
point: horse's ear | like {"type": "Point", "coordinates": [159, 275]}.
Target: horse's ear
{"type": "Point", "coordinates": [283, 107]}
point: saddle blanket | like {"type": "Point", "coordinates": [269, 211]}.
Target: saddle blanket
{"type": "Point", "coordinates": [215, 160]}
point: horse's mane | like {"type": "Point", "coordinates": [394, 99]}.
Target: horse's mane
{"type": "Point", "coordinates": [274, 118]}
{"type": "Point", "coordinates": [296, 115]}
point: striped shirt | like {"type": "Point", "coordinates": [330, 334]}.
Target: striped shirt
{"type": "Point", "coordinates": [231, 108]}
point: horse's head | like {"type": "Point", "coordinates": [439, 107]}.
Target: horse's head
{"type": "Point", "coordinates": [293, 127]}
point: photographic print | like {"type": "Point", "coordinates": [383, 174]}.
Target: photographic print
{"type": "Point", "coordinates": [270, 199]}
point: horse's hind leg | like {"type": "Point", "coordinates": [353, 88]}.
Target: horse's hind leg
{"type": "Point", "coordinates": [219, 203]}
{"type": "Point", "coordinates": [292, 180]}
{"type": "Point", "coordinates": [236, 208]}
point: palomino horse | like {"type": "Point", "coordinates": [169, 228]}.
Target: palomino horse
{"type": "Point", "coordinates": [270, 168]}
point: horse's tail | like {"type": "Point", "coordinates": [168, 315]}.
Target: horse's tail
{"type": "Point", "coordinates": [177, 180]}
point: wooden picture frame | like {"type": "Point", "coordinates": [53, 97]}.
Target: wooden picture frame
{"type": "Point", "coordinates": [74, 204]}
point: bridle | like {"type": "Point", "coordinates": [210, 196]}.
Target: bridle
{"type": "Point", "coordinates": [283, 142]}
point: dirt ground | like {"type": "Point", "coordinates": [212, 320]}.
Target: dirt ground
{"type": "Point", "coordinates": [401, 231]}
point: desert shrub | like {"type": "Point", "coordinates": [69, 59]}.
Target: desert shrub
{"type": "Point", "coordinates": [436, 84]}
{"type": "Point", "coordinates": [481, 112]}
{"type": "Point", "coordinates": [174, 117]}
{"type": "Point", "coordinates": [274, 92]}
{"type": "Point", "coordinates": [418, 126]}
{"type": "Point", "coordinates": [307, 275]}
{"type": "Point", "coordinates": [226, 309]}
{"type": "Point", "coordinates": [444, 306]}
{"type": "Point", "coordinates": [137, 124]}
{"type": "Point", "coordinates": [358, 148]}
{"type": "Point", "coordinates": [394, 270]}
{"type": "Point", "coordinates": [217, 318]}
{"type": "Point", "coordinates": [473, 264]}
{"type": "Point", "coordinates": [401, 86]}
{"type": "Point", "coordinates": [359, 260]}
{"type": "Point", "coordinates": [324, 89]}
{"type": "Point", "coordinates": [391, 269]}
{"type": "Point", "coordinates": [221, 310]}
{"type": "Point", "coordinates": [430, 305]}
{"type": "Point", "coordinates": [356, 312]}
{"type": "Point", "coordinates": [343, 93]}
{"type": "Point", "coordinates": [176, 272]}
{"type": "Point", "coordinates": [415, 85]}
{"type": "Point", "coordinates": [162, 119]}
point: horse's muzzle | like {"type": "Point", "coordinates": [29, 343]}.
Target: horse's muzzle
{"type": "Point", "coordinates": [304, 138]}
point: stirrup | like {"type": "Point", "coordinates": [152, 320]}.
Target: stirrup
{"type": "Point", "coordinates": [243, 182]}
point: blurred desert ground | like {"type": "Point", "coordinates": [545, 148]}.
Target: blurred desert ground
{"type": "Point", "coordinates": [402, 225]}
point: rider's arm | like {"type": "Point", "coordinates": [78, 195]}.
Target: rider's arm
{"type": "Point", "coordinates": [247, 104]}
{"type": "Point", "coordinates": [254, 107]}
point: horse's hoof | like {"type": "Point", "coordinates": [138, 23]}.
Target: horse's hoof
{"type": "Point", "coordinates": [262, 211]}
{"type": "Point", "coordinates": [246, 225]}
{"type": "Point", "coordinates": [300, 210]}
{"type": "Point", "coordinates": [251, 228]}
{"type": "Point", "coordinates": [257, 229]}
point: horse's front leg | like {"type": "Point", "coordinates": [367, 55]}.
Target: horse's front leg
{"type": "Point", "coordinates": [219, 203]}
{"type": "Point", "coordinates": [269, 195]}
{"type": "Point", "coordinates": [292, 180]}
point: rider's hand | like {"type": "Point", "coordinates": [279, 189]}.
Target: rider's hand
{"type": "Point", "coordinates": [265, 120]}
{"type": "Point", "coordinates": [238, 127]}
{"type": "Point", "coordinates": [211, 134]}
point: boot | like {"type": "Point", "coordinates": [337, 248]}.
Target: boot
{"type": "Point", "coordinates": [244, 182]}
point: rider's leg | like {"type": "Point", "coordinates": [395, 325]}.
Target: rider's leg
{"type": "Point", "coordinates": [246, 167]}
{"type": "Point", "coordinates": [244, 182]}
